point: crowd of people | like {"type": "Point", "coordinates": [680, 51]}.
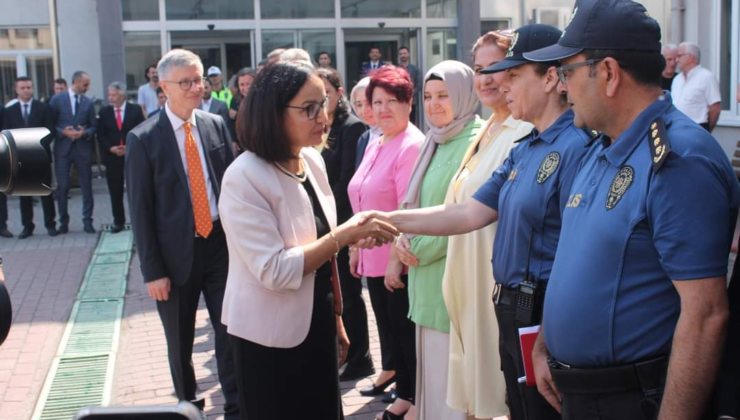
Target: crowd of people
{"type": "Point", "coordinates": [593, 206]}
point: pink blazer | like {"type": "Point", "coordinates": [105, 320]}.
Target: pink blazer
{"type": "Point", "coordinates": [267, 217]}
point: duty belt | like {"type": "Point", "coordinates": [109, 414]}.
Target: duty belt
{"type": "Point", "coordinates": [648, 377]}
{"type": "Point", "coordinates": [502, 295]}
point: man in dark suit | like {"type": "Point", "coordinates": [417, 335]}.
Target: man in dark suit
{"type": "Point", "coordinates": [375, 56]}
{"type": "Point", "coordinates": [28, 112]}
{"type": "Point", "coordinates": [213, 105]}
{"type": "Point", "coordinates": [175, 162]}
{"type": "Point", "coordinates": [4, 232]}
{"type": "Point", "coordinates": [161, 99]}
{"type": "Point", "coordinates": [75, 122]}
{"type": "Point", "coordinates": [114, 123]}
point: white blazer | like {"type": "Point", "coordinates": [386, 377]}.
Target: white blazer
{"type": "Point", "coordinates": [267, 217]}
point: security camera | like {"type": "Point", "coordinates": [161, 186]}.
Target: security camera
{"type": "Point", "coordinates": [381, 24]}
{"type": "Point", "coordinates": [211, 26]}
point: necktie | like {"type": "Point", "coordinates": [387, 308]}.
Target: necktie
{"type": "Point", "coordinates": [198, 195]}
{"type": "Point", "coordinates": [25, 114]}
{"type": "Point", "coordinates": [119, 121]}
{"type": "Point", "coordinates": [77, 105]}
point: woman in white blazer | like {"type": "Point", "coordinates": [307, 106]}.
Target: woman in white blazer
{"type": "Point", "coordinates": [282, 307]}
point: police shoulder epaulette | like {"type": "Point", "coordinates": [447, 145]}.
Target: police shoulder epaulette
{"type": "Point", "coordinates": [526, 136]}
{"type": "Point", "coordinates": [660, 146]}
{"type": "Point", "coordinates": [593, 135]}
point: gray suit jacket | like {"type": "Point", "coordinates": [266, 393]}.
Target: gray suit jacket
{"type": "Point", "coordinates": [63, 116]}
{"type": "Point", "coordinates": [219, 107]}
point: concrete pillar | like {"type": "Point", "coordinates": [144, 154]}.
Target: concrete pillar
{"type": "Point", "coordinates": [468, 28]}
{"type": "Point", "coordinates": [110, 22]}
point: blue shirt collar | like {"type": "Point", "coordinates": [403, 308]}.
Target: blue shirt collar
{"type": "Point", "coordinates": [553, 131]}
{"type": "Point", "coordinates": [623, 146]}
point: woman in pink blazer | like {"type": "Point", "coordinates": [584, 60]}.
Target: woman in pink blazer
{"type": "Point", "coordinates": [282, 308]}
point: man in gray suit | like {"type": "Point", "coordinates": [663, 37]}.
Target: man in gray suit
{"type": "Point", "coordinates": [213, 105]}
{"type": "Point", "coordinates": [74, 119]}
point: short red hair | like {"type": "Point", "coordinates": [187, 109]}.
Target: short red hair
{"type": "Point", "coordinates": [394, 80]}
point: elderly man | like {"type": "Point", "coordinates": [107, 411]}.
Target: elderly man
{"type": "Point", "coordinates": [175, 162]}
{"type": "Point", "coordinates": [670, 53]}
{"type": "Point", "coordinates": [636, 307]}
{"type": "Point", "coordinates": [114, 123]}
{"type": "Point", "coordinates": [75, 122]}
{"type": "Point", "coordinates": [696, 91]}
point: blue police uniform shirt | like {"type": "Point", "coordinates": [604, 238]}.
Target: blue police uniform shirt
{"type": "Point", "coordinates": [628, 231]}
{"type": "Point", "coordinates": [529, 191]}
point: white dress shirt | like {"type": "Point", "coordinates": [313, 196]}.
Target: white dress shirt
{"type": "Point", "coordinates": [205, 105]}
{"type": "Point", "coordinates": [26, 104]}
{"type": "Point", "coordinates": [147, 97]}
{"type": "Point", "coordinates": [177, 127]}
{"type": "Point", "coordinates": [72, 101]}
{"type": "Point", "coordinates": [123, 112]}
{"type": "Point", "coordinates": [695, 92]}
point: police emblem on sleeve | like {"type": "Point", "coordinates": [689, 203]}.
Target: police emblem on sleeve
{"type": "Point", "coordinates": [620, 184]}
{"type": "Point", "coordinates": [548, 167]}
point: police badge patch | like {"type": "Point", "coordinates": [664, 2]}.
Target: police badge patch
{"type": "Point", "coordinates": [548, 167]}
{"type": "Point", "coordinates": [621, 183]}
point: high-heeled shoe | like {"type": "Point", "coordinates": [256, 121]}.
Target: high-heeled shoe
{"type": "Point", "coordinates": [373, 390]}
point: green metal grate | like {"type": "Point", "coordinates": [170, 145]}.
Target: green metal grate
{"type": "Point", "coordinates": [104, 281]}
{"type": "Point", "coordinates": [115, 242]}
{"type": "Point", "coordinates": [94, 327]}
{"type": "Point", "coordinates": [78, 382]}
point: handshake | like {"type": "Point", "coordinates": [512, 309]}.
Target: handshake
{"type": "Point", "coordinates": [367, 230]}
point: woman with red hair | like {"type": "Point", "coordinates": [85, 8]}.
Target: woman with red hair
{"type": "Point", "coordinates": [380, 184]}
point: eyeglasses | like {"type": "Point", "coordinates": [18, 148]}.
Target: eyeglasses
{"type": "Point", "coordinates": [562, 69]}
{"type": "Point", "coordinates": [187, 84]}
{"type": "Point", "coordinates": [313, 110]}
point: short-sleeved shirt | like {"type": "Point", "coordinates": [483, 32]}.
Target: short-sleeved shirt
{"type": "Point", "coordinates": [529, 191]}
{"type": "Point", "coordinates": [147, 97]}
{"type": "Point", "coordinates": [380, 183]}
{"type": "Point", "coordinates": [695, 92]}
{"type": "Point", "coordinates": [629, 231]}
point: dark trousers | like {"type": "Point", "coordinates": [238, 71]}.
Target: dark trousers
{"type": "Point", "coordinates": [613, 406]}
{"type": "Point", "coordinates": [47, 204]}
{"type": "Point", "coordinates": [208, 275]}
{"type": "Point", "coordinates": [525, 403]}
{"type": "Point", "coordinates": [354, 316]}
{"type": "Point", "coordinates": [403, 340]}
{"type": "Point", "coordinates": [114, 176]}
{"type": "Point", "coordinates": [379, 300]}
{"type": "Point", "coordinates": [705, 126]}
{"type": "Point", "coordinates": [83, 164]}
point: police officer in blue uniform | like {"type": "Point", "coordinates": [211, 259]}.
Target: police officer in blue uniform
{"type": "Point", "coordinates": [527, 195]}
{"type": "Point", "coordinates": [636, 305]}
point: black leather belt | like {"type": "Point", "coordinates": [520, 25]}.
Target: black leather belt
{"type": "Point", "coordinates": [502, 295]}
{"type": "Point", "coordinates": [648, 377]}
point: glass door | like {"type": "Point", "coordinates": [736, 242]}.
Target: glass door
{"type": "Point", "coordinates": [228, 50]}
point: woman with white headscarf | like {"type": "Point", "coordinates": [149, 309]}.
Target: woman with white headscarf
{"type": "Point", "coordinates": [450, 103]}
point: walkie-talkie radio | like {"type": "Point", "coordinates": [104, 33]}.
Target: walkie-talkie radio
{"type": "Point", "coordinates": [529, 295]}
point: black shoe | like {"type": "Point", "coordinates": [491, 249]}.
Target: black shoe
{"type": "Point", "coordinates": [390, 396]}
{"type": "Point", "coordinates": [5, 233]}
{"type": "Point", "coordinates": [351, 373]}
{"type": "Point", "coordinates": [89, 229]}
{"type": "Point", "coordinates": [63, 229]}
{"type": "Point", "coordinates": [25, 233]}
{"type": "Point", "coordinates": [373, 390]}
{"type": "Point", "coordinates": [116, 228]}
{"type": "Point", "coordinates": [52, 231]}
{"type": "Point", "coordinates": [387, 415]}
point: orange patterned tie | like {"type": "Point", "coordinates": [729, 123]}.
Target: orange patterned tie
{"type": "Point", "coordinates": [201, 207]}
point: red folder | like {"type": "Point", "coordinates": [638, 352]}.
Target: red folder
{"type": "Point", "coordinates": [527, 337]}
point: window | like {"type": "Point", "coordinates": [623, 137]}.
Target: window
{"type": "Point", "coordinates": [487, 26]}
{"type": "Point", "coordinates": [441, 46]}
{"type": "Point", "coordinates": [316, 42]}
{"type": "Point", "coordinates": [141, 49]}
{"type": "Point", "coordinates": [8, 74]}
{"type": "Point", "coordinates": [272, 40]}
{"type": "Point", "coordinates": [381, 8]}
{"type": "Point", "coordinates": [297, 9]}
{"type": "Point", "coordinates": [140, 9]}
{"type": "Point", "coordinates": [725, 55]}
{"type": "Point", "coordinates": [41, 72]}
{"type": "Point", "coordinates": [25, 39]}
{"type": "Point", "coordinates": [209, 9]}
{"type": "Point", "coordinates": [442, 9]}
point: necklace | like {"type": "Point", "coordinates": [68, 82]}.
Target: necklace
{"type": "Point", "coordinates": [301, 170]}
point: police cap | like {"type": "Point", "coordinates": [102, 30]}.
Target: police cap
{"type": "Point", "coordinates": [527, 38]}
